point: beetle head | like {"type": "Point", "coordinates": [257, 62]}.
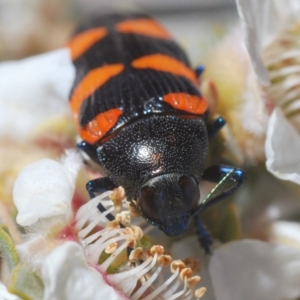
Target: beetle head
{"type": "Point", "coordinates": [168, 201]}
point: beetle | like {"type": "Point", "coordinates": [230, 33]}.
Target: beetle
{"type": "Point", "coordinates": [141, 117]}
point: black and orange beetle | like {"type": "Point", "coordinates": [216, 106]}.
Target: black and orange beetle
{"type": "Point", "coordinates": [139, 112]}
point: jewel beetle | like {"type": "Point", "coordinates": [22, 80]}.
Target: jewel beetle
{"type": "Point", "coordinates": [142, 118]}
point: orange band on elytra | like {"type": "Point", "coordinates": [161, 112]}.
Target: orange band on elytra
{"type": "Point", "coordinates": [83, 41]}
{"type": "Point", "coordinates": [146, 27]}
{"type": "Point", "coordinates": [91, 82]}
{"type": "Point", "coordinates": [189, 103]}
{"type": "Point", "coordinates": [100, 125]}
{"type": "Point", "coordinates": [165, 63]}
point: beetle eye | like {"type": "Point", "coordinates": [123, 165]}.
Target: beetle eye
{"type": "Point", "coordinates": [146, 202]}
{"type": "Point", "coordinates": [190, 192]}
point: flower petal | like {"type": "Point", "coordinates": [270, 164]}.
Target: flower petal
{"type": "Point", "coordinates": [252, 269]}
{"type": "Point", "coordinates": [282, 148]}
{"type": "Point", "coordinates": [67, 276]}
{"type": "Point", "coordinates": [5, 295]}
{"type": "Point", "coordinates": [285, 232]}
{"type": "Point", "coordinates": [260, 22]}
{"type": "Point", "coordinates": [33, 90]}
{"type": "Point", "coordinates": [44, 189]}
{"type": "Point", "coordinates": [289, 10]}
{"type": "Point", "coordinates": [189, 247]}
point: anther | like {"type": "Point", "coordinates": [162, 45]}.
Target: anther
{"type": "Point", "coordinates": [193, 263]}
{"type": "Point", "coordinates": [117, 196]}
{"type": "Point", "coordinates": [136, 254]}
{"type": "Point", "coordinates": [124, 218]}
{"type": "Point", "coordinates": [131, 242]}
{"type": "Point", "coordinates": [164, 260]}
{"type": "Point", "coordinates": [132, 210]}
{"type": "Point", "coordinates": [138, 232]}
{"type": "Point", "coordinates": [177, 264]}
{"type": "Point", "coordinates": [113, 224]}
{"type": "Point", "coordinates": [156, 249]}
{"type": "Point", "coordinates": [199, 293]}
{"type": "Point", "coordinates": [186, 273]}
{"type": "Point", "coordinates": [111, 248]}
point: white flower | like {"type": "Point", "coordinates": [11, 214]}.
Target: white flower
{"type": "Point", "coordinates": [45, 189]}
{"type": "Point", "coordinates": [98, 250]}
{"type": "Point", "coordinates": [248, 270]}
{"type": "Point", "coordinates": [252, 269]}
{"type": "Point", "coordinates": [5, 295]}
{"type": "Point", "coordinates": [286, 233]}
{"type": "Point", "coordinates": [272, 34]}
{"type": "Point", "coordinates": [282, 148]}
{"type": "Point", "coordinates": [33, 90]}
{"type": "Point", "coordinates": [66, 275]}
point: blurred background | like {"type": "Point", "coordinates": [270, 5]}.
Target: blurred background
{"type": "Point", "coordinates": [35, 26]}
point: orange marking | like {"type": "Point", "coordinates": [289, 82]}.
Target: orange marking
{"type": "Point", "coordinates": [91, 82]}
{"type": "Point", "coordinates": [186, 102]}
{"type": "Point", "coordinates": [83, 41]}
{"type": "Point", "coordinates": [99, 126]}
{"type": "Point", "coordinates": [146, 27]}
{"type": "Point", "coordinates": [165, 63]}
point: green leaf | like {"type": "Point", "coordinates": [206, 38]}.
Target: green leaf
{"type": "Point", "coordinates": [145, 242]}
{"type": "Point", "coordinates": [7, 248]}
{"type": "Point", "coordinates": [25, 283]}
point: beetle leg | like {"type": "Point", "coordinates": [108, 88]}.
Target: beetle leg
{"type": "Point", "coordinates": [214, 127]}
{"type": "Point", "coordinates": [199, 70]}
{"type": "Point", "coordinates": [221, 175]}
{"type": "Point", "coordinates": [89, 149]}
{"type": "Point", "coordinates": [100, 185]}
{"type": "Point", "coordinates": [203, 235]}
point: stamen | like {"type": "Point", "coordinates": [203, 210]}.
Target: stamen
{"type": "Point", "coordinates": [164, 260]}
{"type": "Point", "coordinates": [171, 289]}
{"type": "Point", "coordinates": [180, 293]}
{"type": "Point", "coordinates": [111, 248]}
{"type": "Point", "coordinates": [177, 265]}
{"type": "Point", "coordinates": [136, 254]}
{"type": "Point", "coordinates": [146, 285]}
{"type": "Point", "coordinates": [157, 249]}
{"type": "Point", "coordinates": [199, 293]}
{"type": "Point", "coordinates": [131, 243]}
{"type": "Point", "coordinates": [90, 239]}
{"type": "Point", "coordinates": [186, 273]}
{"type": "Point", "coordinates": [84, 232]}
{"type": "Point", "coordinates": [163, 287]}
{"type": "Point", "coordinates": [124, 218]}
{"type": "Point", "coordinates": [94, 251]}
{"type": "Point", "coordinates": [108, 262]}
{"type": "Point", "coordinates": [89, 210]}
{"type": "Point", "coordinates": [117, 197]}
{"type": "Point", "coordinates": [143, 280]}
{"type": "Point", "coordinates": [193, 263]}
{"type": "Point", "coordinates": [124, 280]}
{"type": "Point", "coordinates": [132, 210]}
{"type": "Point", "coordinates": [138, 232]}
{"type": "Point", "coordinates": [193, 281]}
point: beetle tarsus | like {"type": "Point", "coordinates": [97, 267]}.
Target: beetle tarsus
{"type": "Point", "coordinates": [89, 149]}
{"type": "Point", "coordinates": [199, 70]}
{"type": "Point", "coordinates": [214, 127]}
{"type": "Point", "coordinates": [100, 185]}
{"type": "Point", "coordinates": [203, 235]}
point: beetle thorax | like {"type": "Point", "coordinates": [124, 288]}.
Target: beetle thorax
{"type": "Point", "coordinates": [153, 146]}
